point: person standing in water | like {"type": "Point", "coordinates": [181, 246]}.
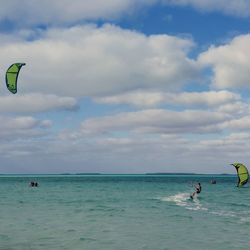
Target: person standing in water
{"type": "Point", "coordinates": [197, 190]}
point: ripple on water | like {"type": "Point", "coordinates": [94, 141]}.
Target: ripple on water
{"type": "Point", "coordinates": [87, 239]}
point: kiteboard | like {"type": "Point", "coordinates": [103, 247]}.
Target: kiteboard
{"type": "Point", "coordinates": [193, 197]}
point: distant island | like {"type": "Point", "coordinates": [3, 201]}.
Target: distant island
{"type": "Point", "coordinates": [170, 174]}
{"type": "Point", "coordinates": [80, 174]}
{"type": "Point", "coordinates": [184, 174]}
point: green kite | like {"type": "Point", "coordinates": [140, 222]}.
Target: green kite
{"type": "Point", "coordinates": [12, 76]}
{"type": "Point", "coordinates": [242, 174]}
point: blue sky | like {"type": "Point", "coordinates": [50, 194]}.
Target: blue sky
{"type": "Point", "coordinates": [125, 86]}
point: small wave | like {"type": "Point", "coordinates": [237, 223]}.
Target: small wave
{"type": "Point", "coordinates": [90, 201]}
{"type": "Point", "coordinates": [239, 205]}
{"type": "Point", "coordinates": [245, 212]}
{"type": "Point", "coordinates": [242, 216]}
{"type": "Point", "coordinates": [224, 213]}
{"type": "Point", "coordinates": [245, 220]}
{"type": "Point", "coordinates": [4, 237]}
{"type": "Point", "coordinates": [71, 230]}
{"type": "Point", "coordinates": [87, 239]}
{"type": "Point", "coordinates": [182, 216]}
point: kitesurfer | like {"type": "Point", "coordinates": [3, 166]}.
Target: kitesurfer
{"type": "Point", "coordinates": [197, 190]}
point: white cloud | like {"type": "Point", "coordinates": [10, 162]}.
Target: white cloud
{"type": "Point", "coordinates": [152, 99]}
{"type": "Point", "coordinates": [87, 60]}
{"type": "Point", "coordinates": [111, 153]}
{"type": "Point", "coordinates": [36, 103]}
{"type": "Point", "coordinates": [232, 7]}
{"type": "Point", "coordinates": [23, 127]}
{"type": "Point", "coordinates": [96, 155]}
{"type": "Point", "coordinates": [234, 146]}
{"type": "Point", "coordinates": [234, 137]}
{"type": "Point", "coordinates": [230, 63]}
{"type": "Point", "coordinates": [240, 124]}
{"type": "Point", "coordinates": [237, 108]}
{"type": "Point", "coordinates": [65, 11]}
{"type": "Point", "coordinates": [156, 121]}
{"type": "Point", "coordinates": [144, 153]}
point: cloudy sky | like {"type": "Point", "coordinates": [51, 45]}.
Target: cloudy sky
{"type": "Point", "coordinates": [125, 86]}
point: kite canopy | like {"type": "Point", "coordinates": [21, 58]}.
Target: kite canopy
{"type": "Point", "coordinates": [12, 76]}
{"type": "Point", "coordinates": [242, 174]}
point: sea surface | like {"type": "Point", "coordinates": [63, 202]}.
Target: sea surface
{"type": "Point", "coordinates": [116, 212]}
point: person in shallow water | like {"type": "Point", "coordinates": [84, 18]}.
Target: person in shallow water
{"type": "Point", "coordinates": [33, 184]}
{"type": "Point", "coordinates": [197, 190]}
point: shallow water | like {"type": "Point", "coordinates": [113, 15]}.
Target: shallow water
{"type": "Point", "coordinates": [123, 212]}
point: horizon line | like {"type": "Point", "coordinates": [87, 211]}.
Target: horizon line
{"type": "Point", "coordinates": [153, 173]}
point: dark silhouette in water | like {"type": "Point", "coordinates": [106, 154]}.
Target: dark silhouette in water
{"type": "Point", "coordinates": [197, 190]}
{"type": "Point", "coordinates": [33, 184]}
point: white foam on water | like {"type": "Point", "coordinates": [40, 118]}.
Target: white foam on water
{"type": "Point", "coordinates": [224, 213]}
{"type": "Point", "coordinates": [184, 200]}
{"type": "Point", "coordinates": [239, 216]}
{"type": "Point", "coordinates": [180, 199]}
{"type": "Point", "coordinates": [245, 220]}
{"type": "Point", "coordinates": [245, 216]}
{"type": "Point", "coordinates": [245, 212]}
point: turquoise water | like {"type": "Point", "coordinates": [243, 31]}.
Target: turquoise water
{"type": "Point", "coordinates": [123, 212]}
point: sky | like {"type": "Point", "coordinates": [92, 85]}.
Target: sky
{"type": "Point", "coordinates": [125, 86]}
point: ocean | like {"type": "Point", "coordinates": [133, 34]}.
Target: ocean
{"type": "Point", "coordinates": [116, 212]}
